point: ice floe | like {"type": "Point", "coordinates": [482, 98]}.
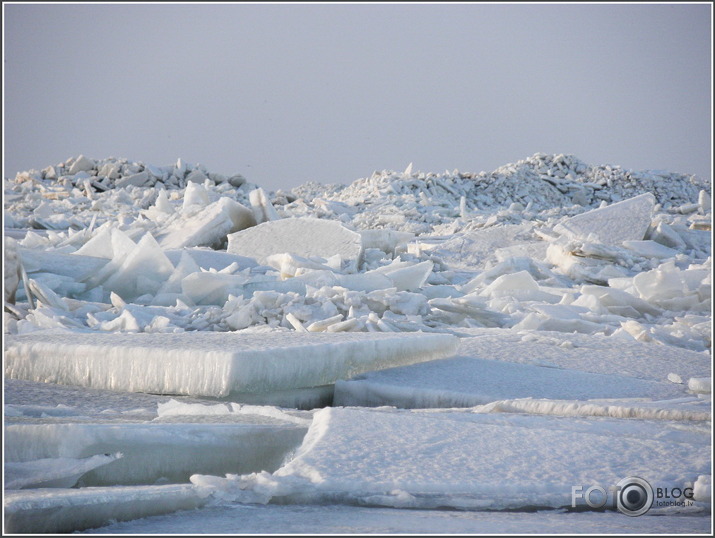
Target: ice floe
{"type": "Point", "coordinates": [212, 364]}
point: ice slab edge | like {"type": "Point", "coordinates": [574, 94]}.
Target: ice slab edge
{"type": "Point", "coordinates": [51, 511]}
{"type": "Point", "coordinates": [213, 364]}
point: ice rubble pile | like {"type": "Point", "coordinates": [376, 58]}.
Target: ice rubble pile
{"type": "Point", "coordinates": [542, 185]}
{"type": "Point", "coordinates": [134, 258]}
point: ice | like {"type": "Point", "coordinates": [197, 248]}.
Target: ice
{"type": "Point", "coordinates": [170, 452]}
{"type": "Point", "coordinates": [142, 271]}
{"type": "Point", "coordinates": [263, 210]}
{"type": "Point", "coordinates": [11, 269]}
{"type": "Point", "coordinates": [208, 227]}
{"type": "Point", "coordinates": [470, 381]}
{"type": "Point", "coordinates": [406, 276]}
{"type": "Point", "coordinates": [611, 225]}
{"type": "Point", "coordinates": [212, 364]}
{"type": "Point", "coordinates": [345, 519]}
{"type": "Point", "coordinates": [702, 385]}
{"type": "Point", "coordinates": [195, 195]}
{"type": "Point", "coordinates": [134, 180]}
{"type": "Point", "coordinates": [703, 488]}
{"type": "Point", "coordinates": [417, 459]}
{"type": "Point", "coordinates": [389, 241]}
{"type": "Point", "coordinates": [209, 259]}
{"type": "Point", "coordinates": [579, 295]}
{"type": "Point", "coordinates": [304, 237]}
{"type": "Point", "coordinates": [73, 265]}
{"type": "Point", "coordinates": [49, 511]}
{"type": "Point", "coordinates": [52, 472]}
{"type": "Point", "coordinates": [81, 164]}
{"type": "Point", "coordinates": [588, 353]}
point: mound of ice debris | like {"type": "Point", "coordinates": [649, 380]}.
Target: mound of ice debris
{"type": "Point", "coordinates": [548, 243]}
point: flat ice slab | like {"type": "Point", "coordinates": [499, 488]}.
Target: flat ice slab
{"type": "Point", "coordinates": [428, 459]}
{"type": "Point", "coordinates": [49, 511]}
{"type": "Point", "coordinates": [302, 236]}
{"type": "Point", "coordinates": [213, 364]}
{"type": "Point", "coordinates": [588, 353]}
{"type": "Point", "coordinates": [613, 224]}
{"type": "Point", "coordinates": [470, 381]}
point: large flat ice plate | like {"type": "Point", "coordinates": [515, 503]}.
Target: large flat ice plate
{"type": "Point", "coordinates": [212, 364]}
{"type": "Point", "coordinates": [429, 459]}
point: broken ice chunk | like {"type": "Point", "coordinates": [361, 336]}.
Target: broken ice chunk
{"type": "Point", "coordinates": [304, 237]}
{"type": "Point", "coordinates": [263, 210]}
{"type": "Point", "coordinates": [142, 271]}
{"type": "Point", "coordinates": [387, 240]}
{"type": "Point", "coordinates": [82, 164]}
{"type": "Point", "coordinates": [195, 195]}
{"type": "Point", "coordinates": [209, 227]}
{"type": "Point", "coordinates": [700, 385]}
{"type": "Point", "coordinates": [613, 224]}
{"type": "Point", "coordinates": [134, 180]}
{"type": "Point", "coordinates": [650, 249]}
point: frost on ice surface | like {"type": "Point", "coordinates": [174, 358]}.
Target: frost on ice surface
{"type": "Point", "coordinates": [418, 459]}
{"type": "Point", "coordinates": [212, 364]}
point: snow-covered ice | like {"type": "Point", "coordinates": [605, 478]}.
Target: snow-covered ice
{"type": "Point", "coordinates": [183, 318]}
{"type": "Point", "coordinates": [304, 237]}
{"type": "Point", "coordinates": [419, 459]}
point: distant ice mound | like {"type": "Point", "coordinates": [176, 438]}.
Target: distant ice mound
{"type": "Point", "coordinates": [558, 184]}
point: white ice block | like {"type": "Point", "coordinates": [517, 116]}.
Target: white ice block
{"type": "Point", "coordinates": [613, 224]}
{"type": "Point", "coordinates": [263, 210]}
{"type": "Point", "coordinates": [465, 460]}
{"type": "Point", "coordinates": [470, 381]}
{"type": "Point", "coordinates": [49, 511]}
{"type": "Point", "coordinates": [210, 363]}
{"type": "Point", "coordinates": [208, 227]}
{"type": "Point", "coordinates": [301, 236]}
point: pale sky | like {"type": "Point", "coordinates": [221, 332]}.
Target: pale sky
{"type": "Point", "coordinates": [285, 94]}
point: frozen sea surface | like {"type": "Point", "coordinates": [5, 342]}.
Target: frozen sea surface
{"type": "Point", "coordinates": [339, 519]}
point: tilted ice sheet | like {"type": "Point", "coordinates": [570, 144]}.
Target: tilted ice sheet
{"type": "Point", "coordinates": [45, 511]}
{"type": "Point", "coordinates": [470, 381]}
{"type": "Point", "coordinates": [212, 364]}
{"type": "Point", "coordinates": [613, 224]}
{"type": "Point", "coordinates": [427, 459]}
